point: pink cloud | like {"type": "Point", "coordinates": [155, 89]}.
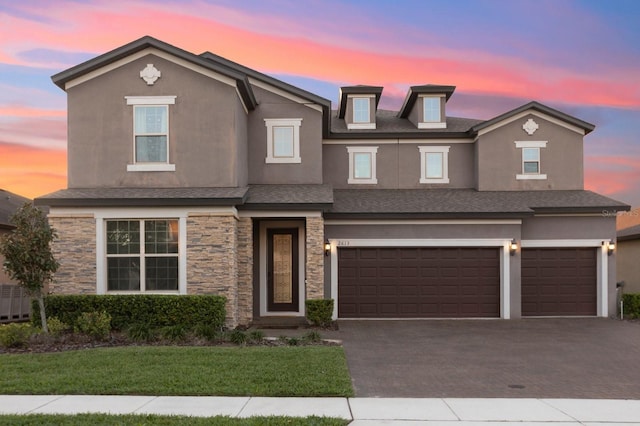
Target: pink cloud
{"type": "Point", "coordinates": [32, 172]}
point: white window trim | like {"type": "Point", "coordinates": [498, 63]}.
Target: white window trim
{"type": "Point", "coordinates": [531, 144]}
{"type": "Point", "coordinates": [360, 125]}
{"type": "Point", "coordinates": [144, 214]}
{"type": "Point", "coordinates": [270, 123]}
{"type": "Point", "coordinates": [373, 150]}
{"type": "Point", "coordinates": [151, 101]}
{"type": "Point", "coordinates": [422, 124]}
{"type": "Point", "coordinates": [444, 150]}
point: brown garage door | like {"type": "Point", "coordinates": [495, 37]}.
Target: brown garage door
{"type": "Point", "coordinates": [559, 282]}
{"type": "Point", "coordinates": [418, 282]}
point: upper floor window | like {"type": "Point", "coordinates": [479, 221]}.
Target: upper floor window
{"type": "Point", "coordinates": [150, 133]}
{"type": "Point", "coordinates": [361, 112]}
{"type": "Point", "coordinates": [142, 255]}
{"type": "Point", "coordinates": [434, 164]}
{"type": "Point", "coordinates": [531, 164]}
{"type": "Point", "coordinates": [283, 140]}
{"type": "Point", "coordinates": [432, 113]}
{"type": "Point", "coordinates": [362, 164]}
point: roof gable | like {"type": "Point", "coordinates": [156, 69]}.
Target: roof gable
{"type": "Point", "coordinates": [535, 108]}
{"type": "Point", "coordinates": [426, 89]}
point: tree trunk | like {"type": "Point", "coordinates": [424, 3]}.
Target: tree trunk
{"type": "Point", "coordinates": [43, 316]}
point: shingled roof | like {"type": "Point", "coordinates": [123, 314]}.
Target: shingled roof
{"type": "Point", "coordinates": [9, 204]}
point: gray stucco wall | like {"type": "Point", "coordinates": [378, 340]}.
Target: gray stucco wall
{"type": "Point", "coordinates": [201, 134]}
{"type": "Point", "coordinates": [398, 165]}
{"type": "Point", "coordinates": [309, 171]}
{"type": "Point", "coordinates": [499, 161]}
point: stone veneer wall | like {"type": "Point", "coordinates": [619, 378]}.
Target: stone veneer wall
{"type": "Point", "coordinates": [315, 258]}
{"type": "Point", "coordinates": [245, 270]}
{"type": "Point", "coordinates": [212, 259]}
{"type": "Point", "coordinates": [75, 250]}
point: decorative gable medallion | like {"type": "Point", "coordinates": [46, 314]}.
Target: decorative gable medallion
{"type": "Point", "coordinates": [530, 126]}
{"type": "Point", "coordinates": [150, 74]}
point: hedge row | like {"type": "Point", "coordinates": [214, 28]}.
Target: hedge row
{"type": "Point", "coordinates": [156, 310]}
{"type": "Point", "coordinates": [631, 303]}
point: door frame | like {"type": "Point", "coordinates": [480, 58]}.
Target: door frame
{"type": "Point", "coordinates": [300, 225]}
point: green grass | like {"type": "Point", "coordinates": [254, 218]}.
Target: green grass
{"type": "Point", "coordinates": [150, 370]}
{"type": "Point", "coordinates": [104, 419]}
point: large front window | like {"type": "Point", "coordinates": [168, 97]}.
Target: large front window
{"type": "Point", "coordinates": [142, 255]}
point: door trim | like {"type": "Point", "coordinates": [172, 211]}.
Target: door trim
{"type": "Point", "coordinates": [300, 225]}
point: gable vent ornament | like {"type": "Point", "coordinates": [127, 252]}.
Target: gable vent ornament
{"type": "Point", "coordinates": [530, 126]}
{"type": "Point", "coordinates": [150, 74]}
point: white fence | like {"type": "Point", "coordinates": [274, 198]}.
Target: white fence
{"type": "Point", "coordinates": [15, 305]}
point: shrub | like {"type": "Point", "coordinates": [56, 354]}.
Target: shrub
{"type": "Point", "coordinates": [15, 335]}
{"type": "Point", "coordinates": [631, 304]}
{"type": "Point", "coordinates": [238, 337]}
{"type": "Point", "coordinates": [207, 332]}
{"type": "Point", "coordinates": [319, 312]}
{"type": "Point", "coordinates": [174, 333]}
{"type": "Point", "coordinates": [293, 341]}
{"type": "Point", "coordinates": [56, 327]}
{"type": "Point", "coordinates": [312, 336]}
{"type": "Point", "coordinates": [141, 332]}
{"type": "Point", "coordinates": [94, 324]}
{"type": "Point", "coordinates": [157, 310]}
{"type": "Point", "coordinates": [256, 336]}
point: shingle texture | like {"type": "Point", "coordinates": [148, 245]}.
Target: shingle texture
{"type": "Point", "coordinates": [464, 201]}
{"type": "Point", "coordinates": [9, 204]}
{"type": "Point", "coordinates": [632, 233]}
{"type": "Point", "coordinates": [289, 194]}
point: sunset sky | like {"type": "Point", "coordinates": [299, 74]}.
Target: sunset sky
{"type": "Point", "coordinates": [579, 56]}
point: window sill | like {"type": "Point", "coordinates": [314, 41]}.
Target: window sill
{"type": "Point", "coordinates": [363, 181]}
{"type": "Point", "coordinates": [531, 177]}
{"type": "Point", "coordinates": [153, 167]}
{"type": "Point", "coordinates": [443, 180]}
{"type": "Point", "coordinates": [434, 125]}
{"type": "Point", "coordinates": [356, 126]}
{"type": "Point", "coordinates": [275, 160]}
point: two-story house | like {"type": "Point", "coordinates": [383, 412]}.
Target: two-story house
{"type": "Point", "coordinates": [191, 174]}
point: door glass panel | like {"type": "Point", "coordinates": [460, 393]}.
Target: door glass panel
{"type": "Point", "coordinates": [282, 263]}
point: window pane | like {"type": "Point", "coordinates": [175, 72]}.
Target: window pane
{"type": "Point", "coordinates": [361, 110]}
{"type": "Point", "coordinates": [150, 119]}
{"type": "Point", "coordinates": [123, 274]}
{"type": "Point", "coordinates": [161, 236]}
{"type": "Point", "coordinates": [161, 273]}
{"type": "Point", "coordinates": [531, 167]}
{"type": "Point", "coordinates": [432, 110]}
{"type": "Point", "coordinates": [530, 154]}
{"type": "Point", "coordinates": [283, 141]}
{"type": "Point", "coordinates": [434, 165]}
{"type": "Point", "coordinates": [151, 149]}
{"type": "Point", "coordinates": [362, 165]}
{"type": "Point", "coordinates": [123, 237]}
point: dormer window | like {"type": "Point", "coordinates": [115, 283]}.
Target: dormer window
{"type": "Point", "coordinates": [425, 105]}
{"type": "Point", "coordinates": [361, 112]}
{"type": "Point", "coordinates": [360, 117]}
{"type": "Point", "coordinates": [432, 117]}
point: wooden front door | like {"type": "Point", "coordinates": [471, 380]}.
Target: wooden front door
{"type": "Point", "coordinates": [282, 270]}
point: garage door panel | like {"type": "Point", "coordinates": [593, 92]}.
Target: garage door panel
{"type": "Point", "coordinates": [559, 281]}
{"type": "Point", "coordinates": [420, 282]}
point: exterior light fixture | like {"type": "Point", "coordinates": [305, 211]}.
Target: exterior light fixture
{"type": "Point", "coordinates": [513, 247]}
{"type": "Point", "coordinates": [327, 248]}
{"type": "Point", "coordinates": [611, 246]}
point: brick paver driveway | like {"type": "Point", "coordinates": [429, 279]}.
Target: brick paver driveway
{"type": "Point", "coordinates": [541, 358]}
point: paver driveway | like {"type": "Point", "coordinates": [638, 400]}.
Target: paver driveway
{"type": "Point", "coordinates": [540, 358]}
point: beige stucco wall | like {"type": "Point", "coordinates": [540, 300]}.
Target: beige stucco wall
{"type": "Point", "coordinates": [628, 265]}
{"type": "Point", "coordinates": [499, 161]}
{"type": "Point", "coordinates": [204, 140]}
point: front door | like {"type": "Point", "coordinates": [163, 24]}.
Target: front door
{"type": "Point", "coordinates": [282, 270]}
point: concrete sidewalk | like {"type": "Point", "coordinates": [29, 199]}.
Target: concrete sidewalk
{"type": "Point", "coordinates": [363, 411]}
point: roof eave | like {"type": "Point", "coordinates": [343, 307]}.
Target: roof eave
{"type": "Point", "coordinates": [137, 202]}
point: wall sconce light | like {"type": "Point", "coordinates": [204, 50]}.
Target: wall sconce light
{"type": "Point", "coordinates": [327, 248]}
{"type": "Point", "coordinates": [513, 247]}
{"type": "Point", "coordinates": [611, 246]}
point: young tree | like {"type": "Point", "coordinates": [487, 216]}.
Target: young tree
{"type": "Point", "coordinates": [28, 255]}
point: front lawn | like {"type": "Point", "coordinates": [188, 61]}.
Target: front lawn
{"type": "Point", "coordinates": [104, 419]}
{"type": "Point", "coordinates": [161, 370]}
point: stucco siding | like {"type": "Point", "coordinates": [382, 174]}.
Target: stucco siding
{"type": "Point", "coordinates": [628, 265]}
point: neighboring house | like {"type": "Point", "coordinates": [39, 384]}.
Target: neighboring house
{"type": "Point", "coordinates": [628, 258]}
{"type": "Point", "coordinates": [191, 174]}
{"type": "Point", "coordinates": [10, 203]}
